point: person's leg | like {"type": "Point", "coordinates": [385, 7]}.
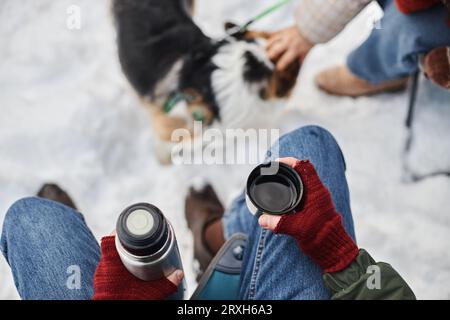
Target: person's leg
{"type": "Point", "coordinates": [273, 266]}
{"type": "Point", "coordinates": [392, 51]}
{"type": "Point", "coordinates": [203, 211]}
{"type": "Point", "coordinates": [237, 218]}
{"type": "Point", "coordinates": [51, 251]}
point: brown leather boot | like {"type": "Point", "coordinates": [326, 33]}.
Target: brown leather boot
{"type": "Point", "coordinates": [436, 66]}
{"type": "Point", "coordinates": [341, 82]}
{"type": "Point", "coordinates": [202, 210]}
{"type": "Point", "coordinates": [54, 192]}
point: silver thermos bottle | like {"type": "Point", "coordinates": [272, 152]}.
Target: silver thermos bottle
{"type": "Point", "coordinates": [147, 245]}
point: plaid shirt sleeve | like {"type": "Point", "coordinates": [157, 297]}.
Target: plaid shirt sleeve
{"type": "Point", "coordinates": [321, 20]}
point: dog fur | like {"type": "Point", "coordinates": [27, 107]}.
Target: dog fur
{"type": "Point", "coordinates": [162, 51]}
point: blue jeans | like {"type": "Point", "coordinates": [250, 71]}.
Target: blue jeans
{"type": "Point", "coordinates": [43, 240]}
{"type": "Point", "coordinates": [274, 268]}
{"type": "Point", "coordinates": [392, 51]}
{"type": "Point", "coordinates": [49, 248]}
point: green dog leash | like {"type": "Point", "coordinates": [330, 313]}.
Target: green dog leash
{"type": "Point", "coordinates": [241, 29]}
{"type": "Point", "coordinates": [177, 96]}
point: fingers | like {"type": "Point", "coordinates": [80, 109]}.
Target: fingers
{"type": "Point", "coordinates": [113, 233]}
{"type": "Point", "coordinates": [308, 173]}
{"type": "Point", "coordinates": [176, 277]}
{"type": "Point", "coordinates": [276, 48]}
{"type": "Point", "coordinates": [286, 59]}
{"type": "Point", "coordinates": [286, 46]}
{"type": "Point", "coordinates": [271, 41]}
{"type": "Point", "coordinates": [290, 161]}
{"type": "Point", "coordinates": [276, 37]}
{"type": "Point", "coordinates": [268, 221]}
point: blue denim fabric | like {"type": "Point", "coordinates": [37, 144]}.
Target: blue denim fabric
{"type": "Point", "coordinates": [41, 239]}
{"type": "Point", "coordinates": [46, 244]}
{"type": "Point", "coordinates": [274, 267]}
{"type": "Point", "coordinates": [392, 51]}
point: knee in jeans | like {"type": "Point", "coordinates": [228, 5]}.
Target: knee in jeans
{"type": "Point", "coordinates": [311, 131]}
{"type": "Point", "coordinates": [15, 220]}
{"type": "Point", "coordinates": [308, 140]}
{"type": "Point", "coordinates": [315, 131]}
{"type": "Point", "coordinates": [27, 213]}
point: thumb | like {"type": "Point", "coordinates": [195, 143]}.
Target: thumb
{"type": "Point", "coordinates": [176, 277]}
{"type": "Point", "coordinates": [270, 222]}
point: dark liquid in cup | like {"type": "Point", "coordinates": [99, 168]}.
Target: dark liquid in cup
{"type": "Point", "coordinates": [274, 193]}
{"type": "Point", "coordinates": [277, 193]}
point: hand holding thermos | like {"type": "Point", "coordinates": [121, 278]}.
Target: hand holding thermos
{"type": "Point", "coordinates": [112, 281]}
{"type": "Point", "coordinates": [142, 261]}
{"type": "Point", "coordinates": [316, 225]}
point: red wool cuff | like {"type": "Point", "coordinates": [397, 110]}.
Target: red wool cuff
{"type": "Point", "coordinates": [317, 226]}
{"type": "Point", "coordinates": [410, 6]}
{"type": "Point", "coordinates": [112, 281]}
{"type": "Point", "coordinates": [332, 248]}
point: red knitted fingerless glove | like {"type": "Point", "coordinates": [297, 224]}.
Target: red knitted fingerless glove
{"type": "Point", "coordinates": [317, 226]}
{"type": "Point", "coordinates": [409, 6]}
{"type": "Point", "coordinates": [112, 281]}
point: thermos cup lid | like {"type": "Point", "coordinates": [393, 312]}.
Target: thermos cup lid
{"type": "Point", "coordinates": [142, 229]}
{"type": "Point", "coordinates": [273, 188]}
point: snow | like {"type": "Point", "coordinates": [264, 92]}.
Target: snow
{"type": "Point", "coordinates": [429, 149]}
{"type": "Point", "coordinates": [69, 116]}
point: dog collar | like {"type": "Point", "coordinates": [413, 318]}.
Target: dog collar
{"type": "Point", "coordinates": [178, 96]}
{"type": "Point", "coordinates": [174, 98]}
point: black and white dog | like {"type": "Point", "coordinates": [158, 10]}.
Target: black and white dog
{"type": "Point", "coordinates": [183, 75]}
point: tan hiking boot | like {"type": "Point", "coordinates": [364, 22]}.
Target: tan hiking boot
{"type": "Point", "coordinates": [202, 208]}
{"type": "Point", "coordinates": [340, 81]}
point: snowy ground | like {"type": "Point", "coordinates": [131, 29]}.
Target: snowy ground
{"type": "Point", "coordinates": [70, 117]}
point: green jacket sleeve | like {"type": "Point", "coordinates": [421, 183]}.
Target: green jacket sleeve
{"type": "Point", "coordinates": [366, 279]}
